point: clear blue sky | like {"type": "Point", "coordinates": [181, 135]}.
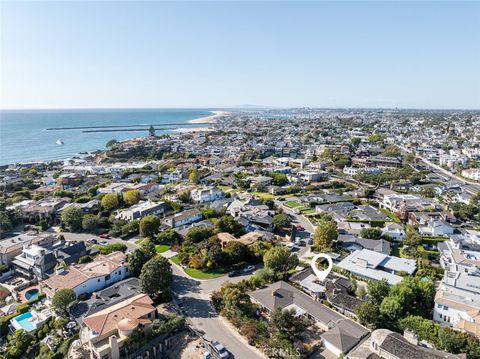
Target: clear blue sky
{"type": "Point", "coordinates": [216, 54]}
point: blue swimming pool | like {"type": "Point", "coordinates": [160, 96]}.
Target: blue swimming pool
{"type": "Point", "coordinates": [32, 294]}
{"type": "Point", "coordinates": [25, 320]}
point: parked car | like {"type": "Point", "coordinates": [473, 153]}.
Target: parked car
{"type": "Point", "coordinates": [248, 269]}
{"type": "Point", "coordinates": [220, 350]}
{"type": "Point", "coordinates": [103, 243]}
{"type": "Point", "coordinates": [92, 240]}
{"type": "Point", "coordinates": [310, 241]}
{"type": "Point", "coordinates": [280, 199]}
{"type": "Point", "coordinates": [104, 236]}
{"type": "Point", "coordinates": [301, 243]}
{"type": "Point", "coordinates": [299, 227]}
{"type": "Point", "coordinates": [291, 246]}
{"type": "Point", "coordinates": [234, 273]}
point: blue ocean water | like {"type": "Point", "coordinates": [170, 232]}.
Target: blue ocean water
{"type": "Point", "coordinates": [24, 135]}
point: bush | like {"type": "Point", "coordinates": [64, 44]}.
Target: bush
{"type": "Point", "coordinates": [113, 247]}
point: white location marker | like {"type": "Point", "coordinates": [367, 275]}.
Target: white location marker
{"type": "Point", "coordinates": [321, 274]}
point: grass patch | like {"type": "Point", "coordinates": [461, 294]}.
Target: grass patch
{"type": "Point", "coordinates": [391, 215]}
{"type": "Point", "coordinates": [293, 204]}
{"type": "Point", "coordinates": [198, 274]}
{"type": "Point", "coordinates": [175, 259]}
{"type": "Point", "coordinates": [263, 195]}
{"type": "Point", "coordinates": [162, 248]}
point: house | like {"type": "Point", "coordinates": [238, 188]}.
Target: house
{"type": "Point", "coordinates": [377, 266]}
{"type": "Point", "coordinates": [341, 334]}
{"type": "Point", "coordinates": [13, 246]}
{"type": "Point", "coordinates": [353, 243]}
{"type": "Point", "coordinates": [344, 336]}
{"type": "Point", "coordinates": [260, 182]}
{"type": "Point", "coordinates": [436, 228]}
{"type": "Point", "coordinates": [184, 218]}
{"type": "Point", "coordinates": [312, 176]}
{"type": "Point", "coordinates": [457, 302]}
{"type": "Point", "coordinates": [384, 343]}
{"type": "Point", "coordinates": [116, 188]}
{"type": "Point", "coordinates": [142, 209]}
{"type": "Point", "coordinates": [205, 195]}
{"type": "Point", "coordinates": [172, 177]}
{"type": "Point", "coordinates": [284, 296]}
{"type": "Point", "coordinates": [394, 230]}
{"type": "Point", "coordinates": [105, 332]}
{"type": "Point", "coordinates": [246, 239]}
{"type": "Point", "coordinates": [39, 261]}
{"type": "Point", "coordinates": [460, 254]}
{"type": "Point", "coordinates": [89, 277]}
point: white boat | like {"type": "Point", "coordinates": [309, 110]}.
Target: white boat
{"type": "Point", "coordinates": [59, 142]}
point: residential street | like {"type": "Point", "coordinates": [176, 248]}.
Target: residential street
{"type": "Point", "coordinates": [194, 299]}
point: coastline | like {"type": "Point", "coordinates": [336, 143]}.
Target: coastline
{"type": "Point", "coordinates": [210, 119]}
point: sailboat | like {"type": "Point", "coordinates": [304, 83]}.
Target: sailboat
{"type": "Point", "coordinates": [59, 142]}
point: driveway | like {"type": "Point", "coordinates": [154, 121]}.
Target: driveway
{"type": "Point", "coordinates": [194, 298]}
{"type": "Point", "coordinates": [84, 237]}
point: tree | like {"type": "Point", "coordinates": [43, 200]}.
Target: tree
{"type": "Point", "coordinates": [281, 221]}
{"type": "Point", "coordinates": [287, 322]}
{"type": "Point", "coordinates": [131, 197]}
{"type": "Point", "coordinates": [193, 176]}
{"type": "Point", "coordinates": [168, 236]}
{"type": "Point", "coordinates": [375, 138]}
{"type": "Point", "coordinates": [156, 277]}
{"type": "Point", "coordinates": [280, 260]}
{"type": "Point", "coordinates": [61, 301]}
{"type": "Point", "coordinates": [71, 218]}
{"type": "Point", "coordinates": [151, 131]}
{"type": "Point", "coordinates": [413, 238]}
{"type": "Point", "coordinates": [228, 224]}
{"type": "Point", "coordinates": [355, 141]}
{"type": "Point", "coordinates": [325, 235]}
{"type": "Point", "coordinates": [392, 151]}
{"type": "Point", "coordinates": [5, 222]}
{"type": "Point", "coordinates": [391, 308]}
{"type": "Point", "coordinates": [235, 251]}
{"type": "Point", "coordinates": [110, 201]}
{"type": "Point", "coordinates": [371, 233]}
{"type": "Point", "coordinates": [198, 234]}
{"type": "Point", "coordinates": [90, 223]}
{"type": "Point", "coordinates": [368, 314]}
{"type": "Point", "coordinates": [111, 143]}
{"type": "Point", "coordinates": [149, 226]}
{"type": "Point", "coordinates": [139, 257]}
{"type": "Point", "coordinates": [377, 290]}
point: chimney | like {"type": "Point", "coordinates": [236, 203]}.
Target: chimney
{"type": "Point", "coordinates": [274, 292]}
{"type": "Point", "coordinates": [114, 350]}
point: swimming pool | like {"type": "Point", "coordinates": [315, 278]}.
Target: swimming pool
{"type": "Point", "coordinates": [25, 321]}
{"type": "Point", "coordinates": [32, 294]}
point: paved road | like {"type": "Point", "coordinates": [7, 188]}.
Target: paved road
{"type": "Point", "coordinates": [469, 186]}
{"type": "Point", "coordinates": [194, 297]}
{"type": "Point", "coordinates": [85, 237]}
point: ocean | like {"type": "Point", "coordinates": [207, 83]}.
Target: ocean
{"type": "Point", "coordinates": [24, 134]}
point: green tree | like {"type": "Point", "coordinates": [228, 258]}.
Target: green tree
{"type": "Point", "coordinates": [72, 218]}
{"type": "Point", "coordinates": [378, 290]}
{"type": "Point", "coordinates": [235, 251]}
{"type": "Point", "coordinates": [325, 236]}
{"type": "Point", "coordinates": [198, 234]}
{"type": "Point", "coordinates": [375, 138]}
{"type": "Point", "coordinates": [110, 201]}
{"type": "Point", "coordinates": [392, 151]}
{"type": "Point", "coordinates": [355, 141]}
{"type": "Point", "coordinates": [131, 197]}
{"type": "Point", "coordinates": [280, 260]}
{"type": "Point", "coordinates": [391, 308]}
{"type": "Point", "coordinates": [168, 236]}
{"type": "Point", "coordinates": [113, 247]}
{"type": "Point", "coordinates": [156, 277]}
{"type": "Point", "coordinates": [149, 226]}
{"type": "Point", "coordinates": [281, 221]}
{"type": "Point", "coordinates": [228, 224]}
{"type": "Point", "coordinates": [371, 233]}
{"type": "Point", "coordinates": [368, 313]}
{"type": "Point", "coordinates": [91, 223]}
{"type": "Point", "coordinates": [111, 143]}
{"type": "Point", "coordinates": [5, 222]}
{"type": "Point", "coordinates": [139, 257]}
{"type": "Point", "coordinates": [61, 301]}
{"type": "Point", "coordinates": [413, 237]}
{"type": "Point", "coordinates": [286, 322]}
{"type": "Point", "coordinates": [193, 176]}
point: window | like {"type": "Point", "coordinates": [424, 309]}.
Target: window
{"type": "Point", "coordinates": [98, 280]}
{"type": "Point", "coordinates": [107, 277]}
{"type": "Point", "coordinates": [445, 307]}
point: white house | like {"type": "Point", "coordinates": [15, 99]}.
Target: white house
{"type": "Point", "coordinates": [377, 266]}
{"type": "Point", "coordinates": [436, 227]}
{"type": "Point", "coordinates": [394, 230]}
{"type": "Point", "coordinates": [205, 195]}
{"type": "Point", "coordinates": [312, 176]}
{"type": "Point", "coordinates": [89, 277]}
{"type": "Point", "coordinates": [184, 218]}
{"type": "Point", "coordinates": [142, 209]}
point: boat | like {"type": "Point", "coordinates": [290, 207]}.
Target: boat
{"type": "Point", "coordinates": [59, 142]}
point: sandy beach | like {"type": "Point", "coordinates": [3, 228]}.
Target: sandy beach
{"type": "Point", "coordinates": [193, 129]}
{"type": "Point", "coordinates": [210, 119]}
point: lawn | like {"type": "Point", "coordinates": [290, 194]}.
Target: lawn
{"type": "Point", "coordinates": [162, 248]}
{"type": "Point", "coordinates": [293, 204]}
{"type": "Point", "coordinates": [263, 195]}
{"type": "Point", "coordinates": [198, 274]}
{"type": "Point", "coordinates": [175, 259]}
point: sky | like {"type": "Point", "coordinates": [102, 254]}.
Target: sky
{"type": "Point", "coordinates": [222, 54]}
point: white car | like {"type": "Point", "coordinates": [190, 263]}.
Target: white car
{"type": "Point", "coordinates": [220, 350]}
{"type": "Point", "coordinates": [291, 246]}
